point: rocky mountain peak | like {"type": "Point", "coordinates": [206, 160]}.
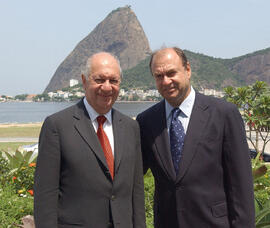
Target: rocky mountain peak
{"type": "Point", "coordinates": [119, 33]}
{"type": "Point", "coordinates": [254, 67]}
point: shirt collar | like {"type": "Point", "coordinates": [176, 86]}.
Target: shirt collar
{"type": "Point", "coordinates": [93, 114]}
{"type": "Point", "coordinates": [186, 106]}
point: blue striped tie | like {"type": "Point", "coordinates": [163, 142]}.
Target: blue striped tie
{"type": "Point", "coordinates": [177, 137]}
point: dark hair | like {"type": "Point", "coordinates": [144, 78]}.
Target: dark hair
{"type": "Point", "coordinates": [177, 50]}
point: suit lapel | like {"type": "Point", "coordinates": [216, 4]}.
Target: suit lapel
{"type": "Point", "coordinates": [160, 134]}
{"type": "Point", "coordinates": [85, 128]}
{"type": "Point", "coordinates": [118, 135]}
{"type": "Point", "coordinates": [197, 122]}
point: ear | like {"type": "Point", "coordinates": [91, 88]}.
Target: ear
{"type": "Point", "coordinates": [83, 81]}
{"type": "Point", "coordinates": [188, 70]}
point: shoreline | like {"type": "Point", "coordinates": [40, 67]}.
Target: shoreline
{"type": "Point", "coordinates": [11, 101]}
{"type": "Point", "coordinates": [35, 124]}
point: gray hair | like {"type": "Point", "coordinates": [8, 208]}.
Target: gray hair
{"type": "Point", "coordinates": [87, 68]}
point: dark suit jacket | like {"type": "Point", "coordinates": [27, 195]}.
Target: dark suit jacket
{"type": "Point", "coordinates": [73, 187]}
{"type": "Point", "coordinates": [214, 186]}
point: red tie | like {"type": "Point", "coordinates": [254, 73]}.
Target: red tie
{"type": "Point", "coordinates": [105, 144]}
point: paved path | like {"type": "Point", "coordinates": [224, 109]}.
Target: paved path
{"type": "Point", "coordinates": [18, 139]}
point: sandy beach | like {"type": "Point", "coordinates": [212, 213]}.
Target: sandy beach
{"type": "Point", "coordinates": [20, 125]}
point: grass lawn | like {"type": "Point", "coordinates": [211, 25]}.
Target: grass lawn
{"type": "Point", "coordinates": [12, 145]}
{"type": "Point", "coordinates": [28, 130]}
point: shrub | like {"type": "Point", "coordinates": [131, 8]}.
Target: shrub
{"type": "Point", "coordinates": [23, 179]}
{"type": "Point", "coordinates": [149, 198]}
{"type": "Point", "coordinates": [17, 159]}
{"type": "Point", "coordinates": [4, 170]}
{"type": "Point", "coordinates": [13, 207]}
{"type": "Point", "coordinates": [261, 177]}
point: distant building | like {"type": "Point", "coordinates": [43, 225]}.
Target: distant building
{"type": "Point", "coordinates": [212, 92]}
{"type": "Point", "coordinates": [73, 82]}
{"type": "Point", "coordinates": [122, 92]}
{"type": "Point", "coordinates": [52, 94]}
{"type": "Point", "coordinates": [3, 99]}
{"type": "Point", "coordinates": [62, 94]}
{"type": "Point", "coordinates": [30, 97]}
{"type": "Point", "coordinates": [79, 94]}
{"type": "Point", "coordinates": [153, 93]}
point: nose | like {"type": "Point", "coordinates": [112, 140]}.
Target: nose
{"type": "Point", "coordinates": [106, 86]}
{"type": "Point", "coordinates": [166, 80]}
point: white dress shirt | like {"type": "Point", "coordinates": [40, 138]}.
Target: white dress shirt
{"type": "Point", "coordinates": [186, 108]}
{"type": "Point", "coordinates": [107, 126]}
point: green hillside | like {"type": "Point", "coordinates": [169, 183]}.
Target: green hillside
{"type": "Point", "coordinates": [210, 72]}
{"type": "Point", "coordinates": [231, 62]}
{"type": "Point", "coordinates": [138, 76]}
{"type": "Point", "coordinates": [207, 72]}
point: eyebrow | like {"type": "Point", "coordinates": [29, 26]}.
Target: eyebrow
{"type": "Point", "coordinates": [100, 76]}
{"type": "Point", "coordinates": [166, 72]}
{"type": "Point", "coordinates": [171, 71]}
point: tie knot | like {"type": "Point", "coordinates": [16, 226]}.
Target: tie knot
{"type": "Point", "coordinates": [175, 113]}
{"type": "Point", "coordinates": [101, 120]}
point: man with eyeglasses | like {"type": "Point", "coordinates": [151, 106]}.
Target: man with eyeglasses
{"type": "Point", "coordinates": [89, 167]}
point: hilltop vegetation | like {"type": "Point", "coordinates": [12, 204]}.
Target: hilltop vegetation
{"type": "Point", "coordinates": [233, 61]}
{"type": "Point", "coordinates": [138, 77]}
{"type": "Point", "coordinates": [207, 72]}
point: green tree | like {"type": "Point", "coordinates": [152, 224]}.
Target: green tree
{"type": "Point", "coordinates": [42, 97]}
{"type": "Point", "coordinates": [135, 97]}
{"type": "Point", "coordinates": [254, 104]}
{"type": "Point", "coordinates": [21, 97]}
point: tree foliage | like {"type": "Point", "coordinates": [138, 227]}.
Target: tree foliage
{"type": "Point", "coordinates": [21, 97]}
{"type": "Point", "coordinates": [254, 104]}
{"type": "Point", "coordinates": [138, 77]}
{"type": "Point", "coordinates": [41, 97]}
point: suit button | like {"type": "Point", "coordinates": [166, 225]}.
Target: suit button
{"type": "Point", "coordinates": [110, 225]}
{"type": "Point", "coordinates": [113, 197]}
{"type": "Point", "coordinates": [178, 187]}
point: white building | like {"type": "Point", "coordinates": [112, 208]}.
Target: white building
{"type": "Point", "coordinates": [79, 94]}
{"type": "Point", "coordinates": [73, 82]}
{"type": "Point", "coordinates": [212, 92]}
{"type": "Point", "coordinates": [153, 93]}
{"type": "Point", "coordinates": [122, 92]}
{"type": "Point", "coordinates": [2, 99]}
{"type": "Point", "coordinates": [52, 94]}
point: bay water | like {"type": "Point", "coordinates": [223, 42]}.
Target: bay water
{"type": "Point", "coordinates": [32, 112]}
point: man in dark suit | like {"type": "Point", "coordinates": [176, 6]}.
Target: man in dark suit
{"type": "Point", "coordinates": [89, 168]}
{"type": "Point", "coordinates": [196, 149]}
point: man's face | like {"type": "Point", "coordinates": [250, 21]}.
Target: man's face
{"type": "Point", "coordinates": [102, 86]}
{"type": "Point", "coordinates": [172, 78]}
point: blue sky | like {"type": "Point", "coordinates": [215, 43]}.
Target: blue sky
{"type": "Point", "coordinates": [36, 36]}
